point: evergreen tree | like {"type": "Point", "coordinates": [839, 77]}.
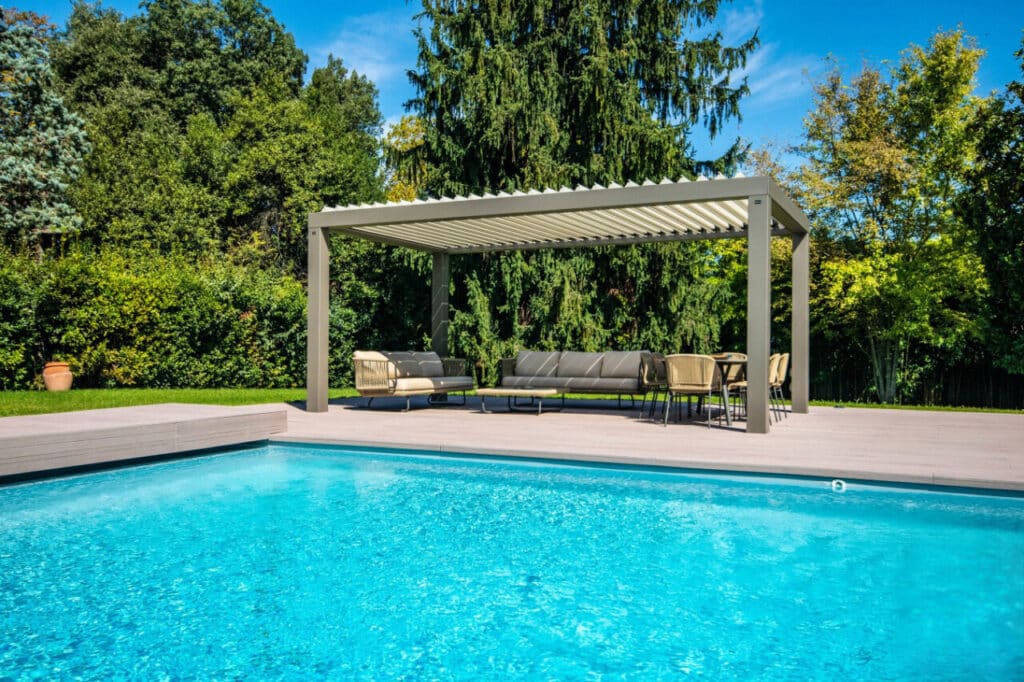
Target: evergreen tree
{"type": "Point", "coordinates": [41, 142]}
{"type": "Point", "coordinates": [541, 93]}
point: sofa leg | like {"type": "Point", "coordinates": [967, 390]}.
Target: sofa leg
{"type": "Point", "coordinates": [408, 404]}
{"type": "Point", "coordinates": [368, 403]}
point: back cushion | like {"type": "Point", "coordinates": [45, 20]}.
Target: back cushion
{"type": "Point", "coordinates": [621, 364]}
{"type": "Point", "coordinates": [428, 364]}
{"type": "Point", "coordinates": [535, 363]}
{"type": "Point", "coordinates": [409, 364]}
{"type": "Point", "coordinates": [576, 364]}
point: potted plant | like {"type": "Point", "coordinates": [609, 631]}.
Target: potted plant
{"type": "Point", "coordinates": [57, 376]}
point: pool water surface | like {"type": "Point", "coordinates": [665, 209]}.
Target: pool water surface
{"type": "Point", "coordinates": [303, 562]}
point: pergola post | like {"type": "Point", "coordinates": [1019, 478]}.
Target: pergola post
{"type": "Point", "coordinates": [439, 280]}
{"type": "Point", "coordinates": [800, 377]}
{"type": "Point", "coordinates": [317, 319]}
{"type": "Point", "coordinates": [759, 311]}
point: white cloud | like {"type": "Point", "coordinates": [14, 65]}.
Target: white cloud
{"type": "Point", "coordinates": [739, 24]}
{"type": "Point", "coordinates": [379, 46]}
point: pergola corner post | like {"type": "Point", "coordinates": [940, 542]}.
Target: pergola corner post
{"type": "Point", "coordinates": [759, 311]}
{"type": "Point", "coordinates": [800, 378]}
{"type": "Point", "coordinates": [317, 320]}
{"type": "Point", "coordinates": [439, 282]}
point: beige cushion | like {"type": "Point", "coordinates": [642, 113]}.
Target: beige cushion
{"type": "Point", "coordinates": [577, 364]}
{"type": "Point", "coordinates": [621, 364]}
{"type": "Point", "coordinates": [533, 363]}
{"type": "Point", "coordinates": [432, 384]}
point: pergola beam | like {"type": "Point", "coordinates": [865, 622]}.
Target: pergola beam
{"type": "Point", "coordinates": [759, 312]}
{"type": "Point", "coordinates": [543, 202]}
{"type": "Point", "coordinates": [439, 282]}
{"type": "Point", "coordinates": [800, 379]}
{"type": "Point", "coordinates": [317, 321]}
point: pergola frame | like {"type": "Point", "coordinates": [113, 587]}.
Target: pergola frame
{"type": "Point", "coordinates": [755, 208]}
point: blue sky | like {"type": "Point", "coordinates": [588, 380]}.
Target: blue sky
{"type": "Point", "coordinates": [375, 38]}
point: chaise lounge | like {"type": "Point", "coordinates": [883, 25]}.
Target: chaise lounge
{"type": "Point", "coordinates": [405, 374]}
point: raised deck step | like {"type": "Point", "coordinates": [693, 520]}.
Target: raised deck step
{"type": "Point", "coordinates": [46, 442]}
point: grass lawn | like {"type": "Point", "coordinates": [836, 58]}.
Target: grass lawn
{"type": "Point", "coordinates": [41, 402]}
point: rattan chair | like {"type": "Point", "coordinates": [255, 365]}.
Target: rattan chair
{"type": "Point", "coordinates": [775, 385]}
{"type": "Point", "coordinates": [693, 375]}
{"type": "Point", "coordinates": [653, 380]}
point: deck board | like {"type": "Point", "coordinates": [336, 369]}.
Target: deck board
{"type": "Point", "coordinates": [45, 442]}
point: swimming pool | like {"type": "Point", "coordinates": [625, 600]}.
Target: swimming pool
{"type": "Point", "coordinates": [300, 562]}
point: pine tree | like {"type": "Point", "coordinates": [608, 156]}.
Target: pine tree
{"type": "Point", "coordinates": [41, 143]}
{"type": "Point", "coordinates": [548, 92]}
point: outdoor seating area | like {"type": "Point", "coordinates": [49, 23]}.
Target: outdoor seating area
{"type": "Point", "coordinates": [718, 381]}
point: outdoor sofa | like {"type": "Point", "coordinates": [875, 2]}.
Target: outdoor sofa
{"type": "Point", "coordinates": [405, 374]}
{"type": "Point", "coordinates": [576, 372]}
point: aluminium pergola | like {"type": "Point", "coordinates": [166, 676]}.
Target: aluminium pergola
{"type": "Point", "coordinates": [754, 208]}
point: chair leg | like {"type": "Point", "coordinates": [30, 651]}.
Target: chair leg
{"type": "Point", "coordinates": [668, 407]}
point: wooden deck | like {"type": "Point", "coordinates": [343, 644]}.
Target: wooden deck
{"type": "Point", "coordinates": [46, 442]}
{"type": "Point", "coordinates": [935, 448]}
{"type": "Point", "coordinates": [963, 449]}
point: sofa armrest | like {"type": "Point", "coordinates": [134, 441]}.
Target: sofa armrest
{"type": "Point", "coordinates": [375, 375]}
{"type": "Point", "coordinates": [508, 367]}
{"type": "Point", "coordinates": [454, 367]}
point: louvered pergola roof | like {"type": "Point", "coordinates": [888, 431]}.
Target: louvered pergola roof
{"type": "Point", "coordinates": [586, 216]}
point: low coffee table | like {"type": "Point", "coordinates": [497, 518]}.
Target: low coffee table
{"type": "Point", "coordinates": [514, 394]}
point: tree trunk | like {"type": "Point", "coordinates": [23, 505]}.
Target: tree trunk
{"type": "Point", "coordinates": [885, 362]}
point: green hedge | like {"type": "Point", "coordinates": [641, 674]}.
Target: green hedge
{"type": "Point", "coordinates": [145, 320]}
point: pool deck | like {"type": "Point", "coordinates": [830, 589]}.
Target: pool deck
{"type": "Point", "coordinates": [963, 449]}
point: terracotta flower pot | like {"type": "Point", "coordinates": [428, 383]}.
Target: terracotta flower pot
{"type": "Point", "coordinates": [57, 376]}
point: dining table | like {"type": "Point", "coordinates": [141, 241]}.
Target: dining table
{"type": "Point", "coordinates": [725, 363]}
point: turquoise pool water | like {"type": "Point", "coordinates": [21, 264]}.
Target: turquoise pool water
{"type": "Point", "coordinates": [310, 563]}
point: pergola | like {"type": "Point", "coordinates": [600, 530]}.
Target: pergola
{"type": "Point", "coordinates": [754, 208]}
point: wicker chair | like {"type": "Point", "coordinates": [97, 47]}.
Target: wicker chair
{"type": "Point", "coordinates": [693, 375]}
{"type": "Point", "coordinates": [653, 379]}
{"type": "Point", "coordinates": [775, 383]}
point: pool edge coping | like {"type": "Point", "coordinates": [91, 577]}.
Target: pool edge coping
{"type": "Point", "coordinates": [687, 464]}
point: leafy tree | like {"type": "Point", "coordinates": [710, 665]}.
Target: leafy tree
{"type": "Point", "coordinates": [207, 53]}
{"type": "Point", "coordinates": [993, 208]}
{"type": "Point", "coordinates": [408, 172]}
{"type": "Point", "coordinates": [41, 142]}
{"type": "Point", "coordinates": [886, 159]}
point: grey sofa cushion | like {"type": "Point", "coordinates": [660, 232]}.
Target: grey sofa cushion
{"type": "Point", "coordinates": [621, 364]}
{"type": "Point", "coordinates": [533, 363]}
{"type": "Point", "coordinates": [611, 385]}
{"type": "Point", "coordinates": [532, 382]}
{"type": "Point", "coordinates": [577, 364]}
{"type": "Point", "coordinates": [411, 364]}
